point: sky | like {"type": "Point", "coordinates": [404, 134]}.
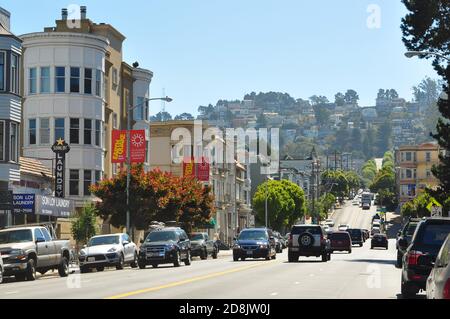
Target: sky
{"type": "Point", "coordinates": [202, 51]}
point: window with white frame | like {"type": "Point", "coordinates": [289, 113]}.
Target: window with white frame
{"type": "Point", "coordinates": [2, 71]}
{"type": "Point", "coordinates": [32, 131]}
{"type": "Point", "coordinates": [2, 140]}
{"type": "Point", "coordinates": [87, 182]}
{"type": "Point", "coordinates": [74, 182]}
{"type": "Point", "coordinates": [60, 79]}
{"type": "Point", "coordinates": [74, 131]}
{"type": "Point", "coordinates": [87, 81]}
{"type": "Point", "coordinates": [98, 82]}
{"type": "Point", "coordinates": [74, 80]}
{"type": "Point", "coordinates": [115, 77]}
{"type": "Point", "coordinates": [59, 128]}
{"type": "Point", "coordinates": [45, 80]}
{"type": "Point", "coordinates": [98, 132]}
{"type": "Point", "coordinates": [13, 142]}
{"type": "Point", "coordinates": [44, 131]}
{"type": "Point", "coordinates": [32, 81]}
{"type": "Point", "coordinates": [15, 73]}
{"type": "Point", "coordinates": [87, 132]}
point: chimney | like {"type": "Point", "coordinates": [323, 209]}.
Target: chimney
{"type": "Point", "coordinates": [83, 11]}
{"type": "Point", "coordinates": [64, 14]}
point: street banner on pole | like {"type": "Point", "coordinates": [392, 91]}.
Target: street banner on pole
{"type": "Point", "coordinates": [188, 167]}
{"type": "Point", "coordinates": [203, 170]}
{"type": "Point", "coordinates": [119, 150]}
{"type": "Point", "coordinates": [137, 146]}
{"type": "Point", "coordinates": [60, 148]}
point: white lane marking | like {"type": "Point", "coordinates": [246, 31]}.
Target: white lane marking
{"type": "Point", "coordinates": [311, 275]}
{"type": "Point", "coordinates": [297, 283]}
{"type": "Point", "coordinates": [11, 292]}
{"type": "Point", "coordinates": [274, 294]}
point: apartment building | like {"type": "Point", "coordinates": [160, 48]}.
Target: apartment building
{"type": "Point", "coordinates": [78, 88]}
{"type": "Point", "coordinates": [413, 169]}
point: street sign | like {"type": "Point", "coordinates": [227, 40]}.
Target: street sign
{"type": "Point", "coordinates": [60, 148]}
{"type": "Point", "coordinates": [436, 211]}
{"type": "Point", "coordinates": [119, 151]}
{"type": "Point", "coordinates": [23, 203]}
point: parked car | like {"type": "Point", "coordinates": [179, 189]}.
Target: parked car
{"type": "Point", "coordinates": [379, 240]}
{"type": "Point", "coordinates": [329, 222]}
{"type": "Point", "coordinates": [169, 245]}
{"type": "Point", "coordinates": [255, 243]}
{"type": "Point", "coordinates": [404, 238]}
{"type": "Point", "coordinates": [26, 250]}
{"type": "Point", "coordinates": [366, 233]}
{"type": "Point", "coordinates": [102, 251]}
{"type": "Point", "coordinates": [343, 227]}
{"type": "Point", "coordinates": [202, 246]}
{"type": "Point", "coordinates": [438, 283]}
{"type": "Point", "coordinates": [425, 245]}
{"type": "Point", "coordinates": [308, 240]}
{"type": "Point", "coordinates": [340, 241]}
{"type": "Point", "coordinates": [356, 236]}
{"type": "Point", "coordinates": [279, 242]}
{"type": "Point", "coordinates": [355, 202]}
{"type": "Point", "coordinates": [366, 206]}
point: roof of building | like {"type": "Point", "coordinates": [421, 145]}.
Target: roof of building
{"type": "Point", "coordinates": [34, 167]}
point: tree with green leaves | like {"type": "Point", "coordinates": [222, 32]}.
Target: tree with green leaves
{"type": "Point", "coordinates": [384, 137]}
{"type": "Point", "coordinates": [84, 226]}
{"type": "Point", "coordinates": [338, 180]}
{"type": "Point", "coordinates": [425, 28]}
{"type": "Point", "coordinates": [339, 99]}
{"type": "Point", "coordinates": [184, 117]}
{"type": "Point", "coordinates": [351, 97]}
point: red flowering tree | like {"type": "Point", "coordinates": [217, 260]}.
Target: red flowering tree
{"type": "Point", "coordinates": [154, 195]}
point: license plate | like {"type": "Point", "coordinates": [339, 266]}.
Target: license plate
{"type": "Point", "coordinates": [91, 259]}
{"type": "Point", "coordinates": [339, 243]}
{"type": "Point", "coordinates": [249, 253]}
{"type": "Point", "coordinates": [156, 254]}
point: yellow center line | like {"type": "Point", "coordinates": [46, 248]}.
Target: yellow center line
{"type": "Point", "coordinates": [188, 281]}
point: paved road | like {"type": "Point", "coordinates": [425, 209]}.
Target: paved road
{"type": "Point", "coordinates": [363, 274]}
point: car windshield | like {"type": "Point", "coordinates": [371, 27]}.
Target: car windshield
{"type": "Point", "coordinates": [354, 232]}
{"type": "Point", "coordinates": [435, 235]}
{"type": "Point", "coordinates": [196, 236]}
{"type": "Point", "coordinates": [339, 236]}
{"type": "Point", "coordinates": [16, 236]}
{"type": "Point", "coordinates": [161, 236]}
{"type": "Point", "coordinates": [253, 235]}
{"type": "Point", "coordinates": [104, 240]}
{"type": "Point", "coordinates": [311, 230]}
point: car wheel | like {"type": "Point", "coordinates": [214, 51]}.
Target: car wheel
{"type": "Point", "coordinates": [235, 258]}
{"type": "Point", "coordinates": [399, 260]}
{"type": "Point", "coordinates": [329, 256]}
{"type": "Point", "coordinates": [204, 254]}
{"type": "Point", "coordinates": [214, 255]}
{"type": "Point", "coordinates": [100, 268]}
{"type": "Point", "coordinates": [360, 245]}
{"type": "Point", "coordinates": [408, 291]}
{"type": "Point", "coordinates": [177, 261]}
{"type": "Point", "coordinates": [243, 258]}
{"type": "Point", "coordinates": [274, 256]}
{"type": "Point", "coordinates": [350, 251]}
{"type": "Point", "coordinates": [141, 265]}
{"type": "Point", "coordinates": [324, 258]}
{"type": "Point", "coordinates": [31, 270]}
{"type": "Point", "coordinates": [121, 262]}
{"type": "Point", "coordinates": [371, 247]}
{"type": "Point", "coordinates": [63, 269]}
{"type": "Point", "coordinates": [84, 269]}
{"type": "Point", "coordinates": [187, 261]}
{"type": "Point", "coordinates": [134, 263]}
{"type": "Point", "coordinates": [155, 265]}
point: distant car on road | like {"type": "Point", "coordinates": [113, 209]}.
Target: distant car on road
{"type": "Point", "coordinates": [202, 246]}
{"type": "Point", "coordinates": [375, 230]}
{"type": "Point", "coordinates": [404, 238]}
{"type": "Point", "coordinates": [165, 246]}
{"type": "Point", "coordinates": [221, 245]}
{"type": "Point", "coordinates": [421, 253]}
{"type": "Point", "coordinates": [357, 236]}
{"type": "Point", "coordinates": [308, 241]}
{"type": "Point", "coordinates": [343, 227]}
{"type": "Point", "coordinates": [379, 240]}
{"type": "Point", "coordinates": [365, 206]}
{"type": "Point", "coordinates": [366, 233]}
{"type": "Point", "coordinates": [355, 202]}
{"type": "Point", "coordinates": [255, 243]}
{"type": "Point", "coordinates": [438, 283]}
{"type": "Point", "coordinates": [340, 241]}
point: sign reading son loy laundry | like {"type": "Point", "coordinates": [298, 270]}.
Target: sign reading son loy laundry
{"type": "Point", "coordinates": [137, 146]}
{"type": "Point", "coordinates": [60, 148]}
{"type": "Point", "coordinates": [43, 205]}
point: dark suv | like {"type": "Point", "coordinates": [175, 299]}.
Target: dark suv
{"type": "Point", "coordinates": [404, 239]}
{"type": "Point", "coordinates": [308, 240]}
{"type": "Point", "coordinates": [357, 236]}
{"type": "Point", "coordinates": [421, 253]}
{"type": "Point", "coordinates": [165, 246]}
{"type": "Point", "coordinates": [255, 243]}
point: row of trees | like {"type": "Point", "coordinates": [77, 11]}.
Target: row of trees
{"type": "Point", "coordinates": [166, 116]}
{"type": "Point", "coordinates": [384, 183]}
{"type": "Point", "coordinates": [340, 183]}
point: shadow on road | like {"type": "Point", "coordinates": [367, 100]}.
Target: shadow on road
{"type": "Point", "coordinates": [304, 262]}
{"type": "Point", "coordinates": [374, 261]}
{"type": "Point", "coordinates": [418, 297]}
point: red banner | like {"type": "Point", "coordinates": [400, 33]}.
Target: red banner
{"type": "Point", "coordinates": [138, 146]}
{"type": "Point", "coordinates": [119, 146]}
{"type": "Point", "coordinates": [199, 170]}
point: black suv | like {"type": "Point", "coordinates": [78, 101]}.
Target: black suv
{"type": "Point", "coordinates": [255, 243]}
{"type": "Point", "coordinates": [165, 246]}
{"type": "Point", "coordinates": [421, 253]}
{"type": "Point", "coordinates": [308, 240]}
{"type": "Point", "coordinates": [404, 237]}
{"type": "Point", "coordinates": [357, 236]}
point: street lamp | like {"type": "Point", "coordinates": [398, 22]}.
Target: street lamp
{"type": "Point", "coordinates": [411, 54]}
{"type": "Point", "coordinates": [131, 108]}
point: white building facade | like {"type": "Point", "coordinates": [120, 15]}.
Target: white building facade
{"type": "Point", "coordinates": [64, 97]}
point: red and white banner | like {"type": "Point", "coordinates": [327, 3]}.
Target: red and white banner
{"type": "Point", "coordinates": [119, 146]}
{"type": "Point", "coordinates": [199, 169]}
{"type": "Point", "coordinates": [138, 146]}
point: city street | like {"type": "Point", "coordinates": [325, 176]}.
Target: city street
{"type": "Point", "coordinates": [363, 274]}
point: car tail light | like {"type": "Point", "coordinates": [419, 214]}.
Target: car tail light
{"type": "Point", "coordinates": [413, 257]}
{"type": "Point", "coordinates": [446, 290]}
{"type": "Point", "coordinates": [290, 239]}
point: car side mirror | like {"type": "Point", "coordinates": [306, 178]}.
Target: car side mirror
{"type": "Point", "coordinates": [40, 240]}
{"type": "Point", "coordinates": [84, 246]}
{"type": "Point", "coordinates": [402, 242]}
{"type": "Point", "coordinates": [234, 238]}
{"type": "Point", "coordinates": [272, 238]}
{"type": "Point", "coordinates": [125, 242]}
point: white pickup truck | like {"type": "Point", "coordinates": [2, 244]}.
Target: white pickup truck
{"type": "Point", "coordinates": [26, 250]}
